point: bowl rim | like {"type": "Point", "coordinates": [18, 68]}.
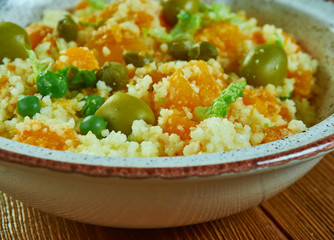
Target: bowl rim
{"type": "Point", "coordinates": [305, 150]}
{"type": "Point", "coordinates": [264, 156]}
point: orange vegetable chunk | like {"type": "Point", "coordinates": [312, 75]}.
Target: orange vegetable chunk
{"type": "Point", "coordinates": [227, 38]}
{"type": "Point", "coordinates": [109, 43]}
{"type": "Point", "coordinates": [81, 57]}
{"type": "Point", "coordinates": [193, 85]}
{"type": "Point", "coordinates": [303, 83]}
{"type": "Point", "coordinates": [179, 124]}
{"type": "Point", "coordinates": [41, 135]}
{"type": "Point", "coordinates": [276, 133]}
{"type": "Point", "coordinates": [266, 104]}
{"type": "Point", "coordinates": [37, 32]}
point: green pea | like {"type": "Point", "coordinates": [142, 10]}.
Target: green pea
{"type": "Point", "coordinates": [121, 110]}
{"type": "Point", "coordinates": [93, 123]}
{"type": "Point", "coordinates": [179, 48]}
{"type": "Point", "coordinates": [67, 28]}
{"type": "Point", "coordinates": [264, 64]}
{"type": "Point", "coordinates": [114, 74]}
{"type": "Point", "coordinates": [203, 51]}
{"type": "Point", "coordinates": [14, 41]}
{"type": "Point", "coordinates": [137, 58]}
{"type": "Point", "coordinates": [92, 103]}
{"type": "Point", "coordinates": [171, 8]}
{"type": "Point", "coordinates": [53, 84]}
{"type": "Point", "coordinates": [28, 106]}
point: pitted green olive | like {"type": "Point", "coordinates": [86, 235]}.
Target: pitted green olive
{"type": "Point", "coordinates": [264, 64]}
{"type": "Point", "coordinates": [14, 41]}
{"type": "Point", "coordinates": [114, 74]}
{"type": "Point", "coordinates": [121, 110]}
{"type": "Point", "coordinates": [171, 8]}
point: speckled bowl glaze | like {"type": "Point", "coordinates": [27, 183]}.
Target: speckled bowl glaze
{"type": "Point", "coordinates": [176, 191]}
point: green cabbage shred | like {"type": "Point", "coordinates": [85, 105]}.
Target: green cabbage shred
{"type": "Point", "coordinates": [219, 106]}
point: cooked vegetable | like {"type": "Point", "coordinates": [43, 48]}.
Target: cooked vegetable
{"type": "Point", "coordinates": [98, 4]}
{"type": "Point", "coordinates": [137, 58]}
{"type": "Point", "coordinates": [171, 8]}
{"type": "Point", "coordinates": [114, 74]}
{"type": "Point", "coordinates": [38, 68]}
{"type": "Point", "coordinates": [264, 64]}
{"type": "Point", "coordinates": [67, 28]}
{"type": "Point", "coordinates": [14, 41]}
{"type": "Point", "coordinates": [289, 96]}
{"type": "Point", "coordinates": [51, 83]}
{"type": "Point", "coordinates": [188, 24]}
{"type": "Point", "coordinates": [92, 103]}
{"type": "Point", "coordinates": [217, 12]}
{"type": "Point", "coordinates": [37, 32]}
{"type": "Point", "coordinates": [28, 106]}
{"type": "Point", "coordinates": [77, 79]}
{"type": "Point", "coordinates": [179, 48]}
{"type": "Point", "coordinates": [122, 109]}
{"type": "Point", "coordinates": [93, 123]}
{"type": "Point", "coordinates": [203, 51]}
{"type": "Point", "coordinates": [220, 107]}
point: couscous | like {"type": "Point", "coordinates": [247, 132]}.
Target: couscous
{"type": "Point", "coordinates": [145, 78]}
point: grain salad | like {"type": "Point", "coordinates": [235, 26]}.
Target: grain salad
{"type": "Point", "coordinates": [144, 78]}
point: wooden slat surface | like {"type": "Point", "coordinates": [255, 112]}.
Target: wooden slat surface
{"type": "Point", "coordinates": [303, 211]}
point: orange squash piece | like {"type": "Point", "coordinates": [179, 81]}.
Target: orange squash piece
{"type": "Point", "coordinates": [303, 83]}
{"type": "Point", "coordinates": [44, 136]}
{"type": "Point", "coordinates": [108, 44]}
{"type": "Point", "coordinates": [276, 133]}
{"type": "Point", "coordinates": [227, 38]}
{"type": "Point", "coordinates": [37, 32]}
{"type": "Point", "coordinates": [198, 89]}
{"type": "Point", "coordinates": [209, 88]}
{"type": "Point", "coordinates": [266, 104]}
{"type": "Point", "coordinates": [80, 57]}
{"type": "Point", "coordinates": [179, 124]}
{"type": "Point", "coordinates": [180, 93]}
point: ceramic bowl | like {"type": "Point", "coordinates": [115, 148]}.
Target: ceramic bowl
{"type": "Point", "coordinates": [176, 191]}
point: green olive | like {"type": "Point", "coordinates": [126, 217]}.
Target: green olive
{"type": "Point", "coordinates": [171, 8]}
{"type": "Point", "coordinates": [121, 110]}
{"type": "Point", "coordinates": [114, 74]}
{"type": "Point", "coordinates": [180, 47]}
{"type": "Point", "coordinates": [137, 58]}
{"type": "Point", "coordinates": [203, 51]}
{"type": "Point", "coordinates": [264, 64]}
{"type": "Point", "coordinates": [14, 41]}
{"type": "Point", "coordinates": [67, 28]}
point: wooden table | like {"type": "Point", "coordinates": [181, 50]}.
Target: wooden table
{"type": "Point", "coordinates": [303, 211]}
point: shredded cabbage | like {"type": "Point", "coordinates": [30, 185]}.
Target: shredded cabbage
{"type": "Point", "coordinates": [219, 106]}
